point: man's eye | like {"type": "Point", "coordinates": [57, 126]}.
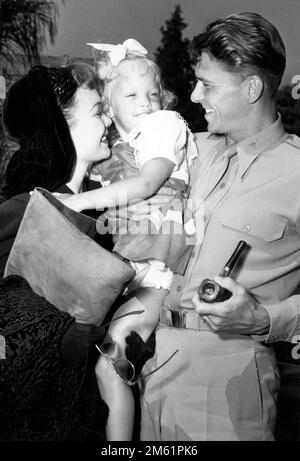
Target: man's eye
{"type": "Point", "coordinates": [154, 94]}
{"type": "Point", "coordinates": [131, 95]}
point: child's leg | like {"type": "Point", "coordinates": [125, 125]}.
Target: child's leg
{"type": "Point", "coordinates": [147, 299]}
{"type": "Point", "coordinates": [117, 394]}
{"type": "Point", "coordinates": [119, 398]}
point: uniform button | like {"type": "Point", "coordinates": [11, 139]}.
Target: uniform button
{"type": "Point", "coordinates": [205, 218]}
{"type": "Point", "coordinates": [193, 253]}
{"type": "Point", "coordinates": [178, 288]}
{"type": "Point", "coordinates": [247, 228]}
{"type": "Point", "coordinates": [228, 153]}
{"type": "Point", "coordinates": [222, 185]}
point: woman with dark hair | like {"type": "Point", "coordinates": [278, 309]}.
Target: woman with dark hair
{"type": "Point", "coordinates": [56, 116]}
{"type": "Point", "coordinates": [47, 113]}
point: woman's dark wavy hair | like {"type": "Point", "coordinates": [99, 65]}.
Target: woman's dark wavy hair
{"type": "Point", "coordinates": [35, 115]}
{"type": "Point", "coordinates": [245, 43]}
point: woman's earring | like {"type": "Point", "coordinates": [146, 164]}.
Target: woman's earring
{"type": "Point", "coordinates": [111, 113]}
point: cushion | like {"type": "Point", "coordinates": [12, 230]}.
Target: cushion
{"type": "Point", "coordinates": [53, 252]}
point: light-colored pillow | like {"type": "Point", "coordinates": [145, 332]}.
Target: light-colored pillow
{"type": "Point", "coordinates": [63, 264]}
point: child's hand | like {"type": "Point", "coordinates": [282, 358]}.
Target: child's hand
{"type": "Point", "coordinates": [112, 167]}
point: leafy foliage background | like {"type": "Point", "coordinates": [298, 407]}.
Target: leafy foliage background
{"type": "Point", "coordinates": [23, 28]}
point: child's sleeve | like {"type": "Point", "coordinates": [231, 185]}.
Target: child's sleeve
{"type": "Point", "coordinates": [160, 134]}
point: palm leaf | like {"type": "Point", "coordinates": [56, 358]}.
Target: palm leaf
{"type": "Point", "coordinates": [23, 28]}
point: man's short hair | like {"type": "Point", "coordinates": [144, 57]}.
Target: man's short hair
{"type": "Point", "coordinates": [246, 43]}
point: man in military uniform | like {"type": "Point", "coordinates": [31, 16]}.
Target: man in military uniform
{"type": "Point", "coordinates": [223, 382]}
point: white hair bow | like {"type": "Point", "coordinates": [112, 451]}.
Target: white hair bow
{"type": "Point", "coordinates": [118, 52]}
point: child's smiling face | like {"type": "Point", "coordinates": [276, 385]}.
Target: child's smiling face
{"type": "Point", "coordinates": [133, 96]}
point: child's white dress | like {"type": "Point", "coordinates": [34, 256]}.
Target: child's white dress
{"type": "Point", "coordinates": [161, 239]}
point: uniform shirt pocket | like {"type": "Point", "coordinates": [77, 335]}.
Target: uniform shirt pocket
{"type": "Point", "coordinates": [262, 224]}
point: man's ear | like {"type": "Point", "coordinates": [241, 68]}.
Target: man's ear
{"type": "Point", "coordinates": [254, 88]}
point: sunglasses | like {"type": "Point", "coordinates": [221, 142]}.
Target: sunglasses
{"type": "Point", "coordinates": [124, 368]}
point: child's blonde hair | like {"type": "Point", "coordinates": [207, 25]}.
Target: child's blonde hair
{"type": "Point", "coordinates": [109, 73]}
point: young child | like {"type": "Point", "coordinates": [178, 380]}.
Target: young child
{"type": "Point", "coordinates": [156, 148]}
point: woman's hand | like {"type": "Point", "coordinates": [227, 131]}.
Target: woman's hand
{"type": "Point", "coordinates": [142, 208]}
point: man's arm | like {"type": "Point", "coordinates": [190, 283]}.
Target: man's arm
{"type": "Point", "coordinates": [243, 315]}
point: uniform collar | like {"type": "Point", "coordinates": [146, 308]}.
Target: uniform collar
{"type": "Point", "coordinates": [249, 149]}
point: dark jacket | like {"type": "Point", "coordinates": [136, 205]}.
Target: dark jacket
{"type": "Point", "coordinates": [48, 389]}
{"type": "Point", "coordinates": [11, 215]}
